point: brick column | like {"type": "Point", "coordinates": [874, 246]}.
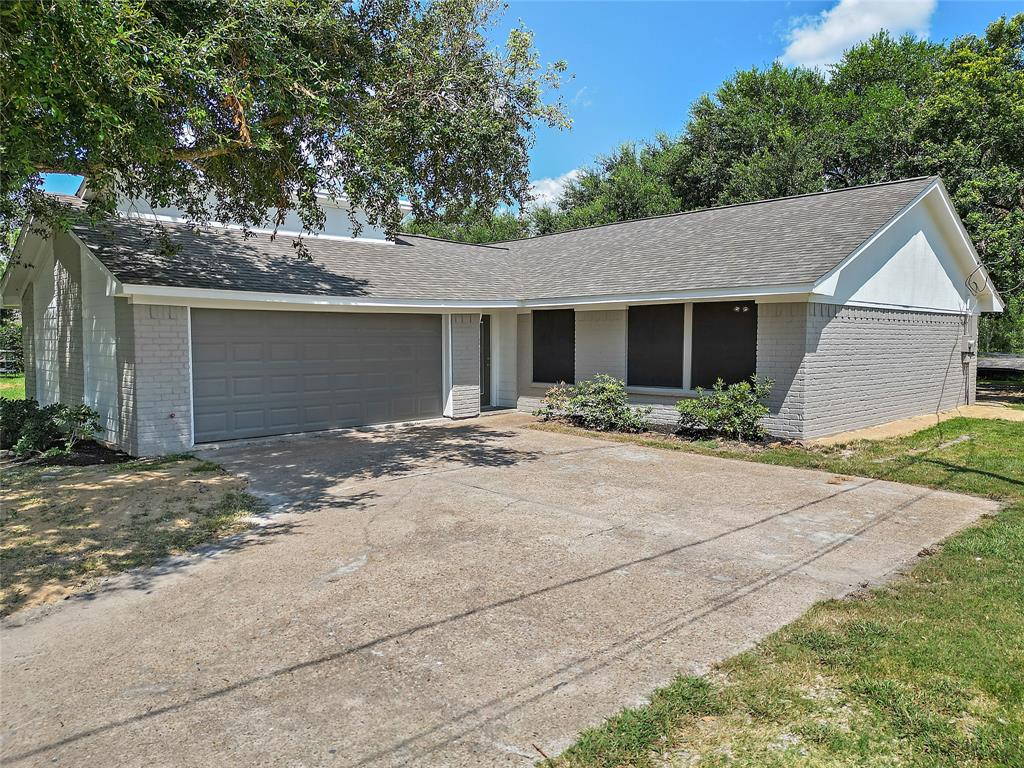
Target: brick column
{"type": "Point", "coordinates": [465, 366]}
{"type": "Point", "coordinates": [155, 382]}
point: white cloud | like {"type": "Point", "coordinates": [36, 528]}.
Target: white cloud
{"type": "Point", "coordinates": [547, 191]}
{"type": "Point", "coordinates": [817, 41]}
{"type": "Point", "coordinates": [583, 97]}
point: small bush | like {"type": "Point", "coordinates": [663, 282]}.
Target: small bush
{"type": "Point", "coordinates": [734, 411]}
{"type": "Point", "coordinates": [11, 344]}
{"type": "Point", "coordinates": [54, 429]}
{"type": "Point", "coordinates": [13, 415]}
{"type": "Point", "coordinates": [599, 403]}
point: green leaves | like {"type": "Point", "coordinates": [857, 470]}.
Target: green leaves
{"type": "Point", "coordinates": [228, 110]}
{"type": "Point", "coordinates": [890, 109]}
{"type": "Point", "coordinates": [598, 403]}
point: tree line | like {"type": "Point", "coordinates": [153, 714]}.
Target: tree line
{"type": "Point", "coordinates": [891, 108]}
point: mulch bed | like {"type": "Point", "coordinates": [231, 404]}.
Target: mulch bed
{"type": "Point", "coordinates": [86, 454]}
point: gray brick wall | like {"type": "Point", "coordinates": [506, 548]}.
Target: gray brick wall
{"type": "Point", "coordinates": [870, 366]}
{"type": "Point", "coordinates": [529, 395]}
{"type": "Point", "coordinates": [507, 376]}
{"type": "Point", "coordinates": [67, 286]}
{"type": "Point", "coordinates": [124, 326]}
{"type": "Point", "coordinates": [28, 340]}
{"type": "Point", "coordinates": [601, 344]}
{"type": "Point", "coordinates": [781, 343]}
{"type": "Point", "coordinates": [835, 368]}
{"type": "Point", "coordinates": [153, 370]}
{"type": "Point", "coordinates": [465, 357]}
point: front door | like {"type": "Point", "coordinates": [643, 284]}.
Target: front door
{"type": "Point", "coordinates": [485, 361]}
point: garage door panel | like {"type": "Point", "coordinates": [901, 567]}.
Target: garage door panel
{"type": "Point", "coordinates": [247, 385]}
{"type": "Point", "coordinates": [282, 384]}
{"type": "Point", "coordinates": [206, 352]}
{"type": "Point", "coordinates": [266, 372]}
{"type": "Point", "coordinates": [209, 387]}
{"type": "Point", "coordinates": [246, 352]}
{"type": "Point", "coordinates": [211, 422]}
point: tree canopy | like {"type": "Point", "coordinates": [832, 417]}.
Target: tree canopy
{"type": "Point", "coordinates": [226, 109]}
{"type": "Point", "coordinates": [891, 108]}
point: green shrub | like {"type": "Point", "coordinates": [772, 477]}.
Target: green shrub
{"type": "Point", "coordinates": [11, 344]}
{"type": "Point", "coordinates": [734, 411]}
{"type": "Point", "coordinates": [13, 415]}
{"type": "Point", "coordinates": [599, 403]}
{"type": "Point", "coordinates": [27, 428]}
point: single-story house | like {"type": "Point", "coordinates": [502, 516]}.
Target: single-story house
{"type": "Point", "coordinates": [860, 304]}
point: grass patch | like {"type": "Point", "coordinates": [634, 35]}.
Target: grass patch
{"type": "Point", "coordinates": [927, 671]}
{"type": "Point", "coordinates": [66, 528]}
{"type": "Point", "coordinates": [204, 465]}
{"type": "Point", "coordinates": [12, 386]}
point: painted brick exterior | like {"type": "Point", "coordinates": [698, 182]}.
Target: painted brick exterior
{"type": "Point", "coordinates": [834, 368]}
{"type": "Point", "coordinates": [507, 374]}
{"type": "Point", "coordinates": [841, 368]}
{"type": "Point", "coordinates": [870, 366]}
{"type": "Point", "coordinates": [529, 394]}
{"type": "Point", "coordinates": [124, 345]}
{"type": "Point", "coordinates": [781, 344]}
{"type": "Point", "coordinates": [67, 288]}
{"type": "Point", "coordinates": [601, 344]}
{"type": "Point", "coordinates": [28, 340]}
{"type": "Point", "coordinates": [153, 371]}
{"type": "Point", "coordinates": [465, 357]}
{"type": "Point", "coordinates": [600, 348]}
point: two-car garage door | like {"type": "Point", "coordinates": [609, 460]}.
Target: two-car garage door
{"type": "Point", "coordinates": [257, 373]}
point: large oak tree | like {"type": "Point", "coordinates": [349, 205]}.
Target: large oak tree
{"type": "Point", "coordinates": [229, 108]}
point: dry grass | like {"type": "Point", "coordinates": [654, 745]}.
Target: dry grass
{"type": "Point", "coordinates": [66, 528]}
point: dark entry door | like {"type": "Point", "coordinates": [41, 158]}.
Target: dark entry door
{"type": "Point", "coordinates": [485, 361]}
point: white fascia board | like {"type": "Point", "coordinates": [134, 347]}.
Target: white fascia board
{"type": "Point", "coordinates": [825, 287]}
{"type": "Point", "coordinates": [794, 291]}
{"type": "Point", "coordinates": [15, 266]}
{"type": "Point", "coordinates": [816, 299]}
{"type": "Point", "coordinates": [208, 297]}
{"type": "Point", "coordinates": [20, 244]}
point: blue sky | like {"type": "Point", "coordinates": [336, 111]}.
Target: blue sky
{"type": "Point", "coordinates": [638, 66]}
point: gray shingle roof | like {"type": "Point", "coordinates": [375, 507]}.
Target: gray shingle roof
{"type": "Point", "coordinates": [773, 242]}
{"type": "Point", "coordinates": [769, 243]}
{"type": "Point", "coordinates": [224, 259]}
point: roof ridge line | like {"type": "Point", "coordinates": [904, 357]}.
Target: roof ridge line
{"type": "Point", "coordinates": [718, 208]}
{"type": "Point", "coordinates": [494, 245]}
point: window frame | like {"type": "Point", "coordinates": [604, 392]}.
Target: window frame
{"type": "Point", "coordinates": [684, 333]}
{"type": "Point", "coordinates": [699, 352]}
{"type": "Point", "coordinates": [535, 380]}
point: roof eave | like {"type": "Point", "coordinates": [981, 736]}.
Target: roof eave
{"type": "Point", "coordinates": [157, 294]}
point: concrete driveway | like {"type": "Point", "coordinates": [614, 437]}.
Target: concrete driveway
{"type": "Point", "coordinates": [446, 595]}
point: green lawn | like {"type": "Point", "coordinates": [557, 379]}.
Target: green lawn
{"type": "Point", "coordinates": [928, 671]}
{"type": "Point", "coordinates": [12, 386]}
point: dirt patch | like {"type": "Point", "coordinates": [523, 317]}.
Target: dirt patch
{"type": "Point", "coordinates": [67, 528]}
